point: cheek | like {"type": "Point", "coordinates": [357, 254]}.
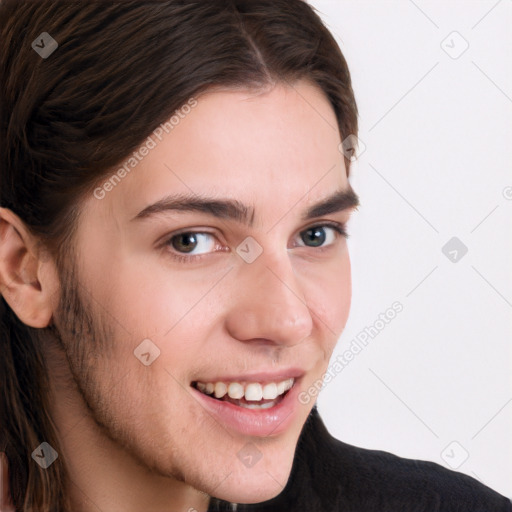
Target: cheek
{"type": "Point", "coordinates": [148, 298]}
{"type": "Point", "coordinates": [176, 311]}
{"type": "Point", "coordinates": [329, 296]}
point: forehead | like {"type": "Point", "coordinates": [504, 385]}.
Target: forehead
{"type": "Point", "coordinates": [272, 146]}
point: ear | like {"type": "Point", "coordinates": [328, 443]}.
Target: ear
{"type": "Point", "coordinates": [28, 280]}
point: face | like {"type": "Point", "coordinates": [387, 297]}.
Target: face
{"type": "Point", "coordinates": [181, 301]}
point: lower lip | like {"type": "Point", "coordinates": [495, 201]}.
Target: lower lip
{"type": "Point", "coordinates": [254, 422]}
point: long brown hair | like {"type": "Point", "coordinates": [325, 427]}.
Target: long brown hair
{"type": "Point", "coordinates": [67, 119]}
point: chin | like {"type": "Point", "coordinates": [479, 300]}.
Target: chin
{"type": "Point", "coordinates": [255, 485]}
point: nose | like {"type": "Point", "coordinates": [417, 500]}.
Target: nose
{"type": "Point", "coordinates": [269, 306]}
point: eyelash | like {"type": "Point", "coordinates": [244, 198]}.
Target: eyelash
{"type": "Point", "coordinates": [339, 228]}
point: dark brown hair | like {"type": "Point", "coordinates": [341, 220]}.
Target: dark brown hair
{"type": "Point", "coordinates": [120, 69]}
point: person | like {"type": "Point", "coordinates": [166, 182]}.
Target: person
{"type": "Point", "coordinates": [174, 192]}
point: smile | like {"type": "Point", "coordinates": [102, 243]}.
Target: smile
{"type": "Point", "coordinates": [259, 405]}
{"type": "Point", "coordinates": [253, 395]}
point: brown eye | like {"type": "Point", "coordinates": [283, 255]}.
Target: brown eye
{"type": "Point", "coordinates": [184, 242]}
{"type": "Point", "coordinates": [190, 241]}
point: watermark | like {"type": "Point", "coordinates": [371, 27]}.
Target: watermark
{"type": "Point", "coordinates": [507, 193]}
{"type": "Point", "coordinates": [454, 249]}
{"type": "Point", "coordinates": [455, 455]}
{"type": "Point", "coordinates": [249, 455]}
{"type": "Point", "coordinates": [454, 45]}
{"type": "Point", "coordinates": [249, 250]}
{"type": "Point", "coordinates": [357, 345]}
{"type": "Point", "coordinates": [352, 147]}
{"type": "Point", "coordinates": [45, 455]}
{"type": "Point", "coordinates": [175, 119]}
{"type": "Point", "coordinates": [146, 352]}
{"type": "Point", "coordinates": [44, 45]}
{"type": "Point", "coordinates": [150, 143]}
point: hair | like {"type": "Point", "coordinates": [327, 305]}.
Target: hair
{"type": "Point", "coordinates": [119, 71]}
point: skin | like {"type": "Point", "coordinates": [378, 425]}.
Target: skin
{"type": "Point", "coordinates": [133, 436]}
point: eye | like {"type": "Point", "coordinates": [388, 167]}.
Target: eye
{"type": "Point", "coordinates": [189, 246]}
{"type": "Point", "coordinates": [317, 235]}
{"type": "Point", "coordinates": [191, 241]}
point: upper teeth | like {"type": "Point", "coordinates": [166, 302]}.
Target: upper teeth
{"type": "Point", "coordinates": [253, 391]}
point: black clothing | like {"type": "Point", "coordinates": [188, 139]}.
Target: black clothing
{"type": "Point", "coordinates": [331, 476]}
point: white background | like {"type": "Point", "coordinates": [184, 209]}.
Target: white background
{"type": "Point", "coordinates": [437, 164]}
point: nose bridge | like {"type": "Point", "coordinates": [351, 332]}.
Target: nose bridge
{"type": "Point", "coordinates": [270, 303]}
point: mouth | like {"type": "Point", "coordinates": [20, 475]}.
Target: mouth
{"type": "Point", "coordinates": [261, 405]}
{"type": "Point", "coordinates": [249, 395]}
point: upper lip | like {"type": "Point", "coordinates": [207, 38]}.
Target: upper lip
{"type": "Point", "coordinates": [263, 376]}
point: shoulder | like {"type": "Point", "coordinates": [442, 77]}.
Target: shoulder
{"type": "Point", "coordinates": [422, 485]}
{"type": "Point", "coordinates": [374, 480]}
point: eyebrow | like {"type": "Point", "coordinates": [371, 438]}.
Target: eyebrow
{"type": "Point", "coordinates": [232, 209]}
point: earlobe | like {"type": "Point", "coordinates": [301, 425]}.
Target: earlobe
{"type": "Point", "coordinates": [25, 282]}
